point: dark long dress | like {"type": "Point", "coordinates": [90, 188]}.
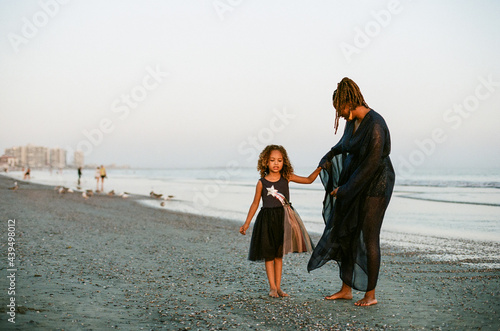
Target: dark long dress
{"type": "Point", "coordinates": [360, 166]}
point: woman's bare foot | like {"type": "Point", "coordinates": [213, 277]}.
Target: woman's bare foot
{"type": "Point", "coordinates": [282, 294]}
{"type": "Point", "coordinates": [342, 294]}
{"type": "Point", "coordinates": [273, 293]}
{"type": "Point", "coordinates": [366, 302]}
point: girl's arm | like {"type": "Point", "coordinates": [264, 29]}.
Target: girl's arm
{"type": "Point", "coordinates": [305, 180]}
{"type": "Point", "coordinates": [253, 208]}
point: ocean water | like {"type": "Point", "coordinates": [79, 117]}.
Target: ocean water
{"type": "Point", "coordinates": [437, 211]}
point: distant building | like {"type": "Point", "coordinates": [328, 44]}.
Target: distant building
{"type": "Point", "coordinates": [78, 159]}
{"type": "Point", "coordinates": [57, 158]}
{"type": "Point", "coordinates": [37, 156]}
{"type": "Point", "coordinates": [19, 153]}
{"type": "Point", "coordinates": [7, 161]}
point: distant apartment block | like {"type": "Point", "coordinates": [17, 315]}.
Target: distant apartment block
{"type": "Point", "coordinates": [39, 157]}
{"type": "Point", "coordinates": [78, 159]}
{"type": "Point", "coordinates": [7, 162]}
{"type": "Point", "coordinates": [18, 154]}
{"type": "Point", "coordinates": [57, 158]}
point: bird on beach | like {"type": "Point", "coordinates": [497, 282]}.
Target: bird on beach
{"type": "Point", "coordinates": [15, 187]}
{"type": "Point", "coordinates": [124, 195]}
{"type": "Point", "coordinates": [111, 193]}
{"type": "Point", "coordinates": [89, 193]}
{"type": "Point", "coordinates": [155, 195]}
{"type": "Point", "coordinates": [85, 195]}
{"type": "Point", "coordinates": [63, 189]}
{"type": "Point", "coordinates": [168, 197]}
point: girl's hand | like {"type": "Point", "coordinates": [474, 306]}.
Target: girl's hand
{"type": "Point", "coordinates": [334, 192]}
{"type": "Point", "coordinates": [305, 180]}
{"type": "Point", "coordinates": [243, 229]}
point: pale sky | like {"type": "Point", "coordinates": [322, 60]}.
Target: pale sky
{"type": "Point", "coordinates": [210, 83]}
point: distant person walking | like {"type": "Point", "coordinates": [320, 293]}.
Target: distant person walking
{"type": "Point", "coordinates": [97, 177]}
{"type": "Point", "coordinates": [79, 174]}
{"type": "Point", "coordinates": [27, 174]}
{"type": "Point", "coordinates": [102, 173]}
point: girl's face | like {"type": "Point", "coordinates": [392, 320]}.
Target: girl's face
{"type": "Point", "coordinates": [275, 161]}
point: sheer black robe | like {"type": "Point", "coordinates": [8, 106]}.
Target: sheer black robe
{"type": "Point", "coordinates": [360, 166]}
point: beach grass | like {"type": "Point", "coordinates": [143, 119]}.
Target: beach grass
{"type": "Point", "coordinates": [112, 263]}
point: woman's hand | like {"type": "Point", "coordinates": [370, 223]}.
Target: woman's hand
{"type": "Point", "coordinates": [243, 229]}
{"type": "Point", "coordinates": [327, 164]}
{"type": "Point", "coordinates": [334, 192]}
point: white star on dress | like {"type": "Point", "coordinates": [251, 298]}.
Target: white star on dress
{"type": "Point", "coordinates": [271, 191]}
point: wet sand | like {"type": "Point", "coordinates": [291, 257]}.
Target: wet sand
{"type": "Point", "coordinates": [112, 263]}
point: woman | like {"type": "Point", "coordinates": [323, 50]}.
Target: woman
{"type": "Point", "coordinates": [358, 177]}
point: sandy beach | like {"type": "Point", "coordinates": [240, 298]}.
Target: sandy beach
{"type": "Point", "coordinates": [112, 263]}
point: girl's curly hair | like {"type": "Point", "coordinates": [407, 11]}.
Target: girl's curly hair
{"type": "Point", "coordinates": [262, 165]}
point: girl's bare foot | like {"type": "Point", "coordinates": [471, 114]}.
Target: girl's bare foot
{"type": "Point", "coordinates": [273, 293]}
{"type": "Point", "coordinates": [282, 294]}
{"type": "Point", "coordinates": [366, 302]}
{"type": "Point", "coordinates": [342, 294]}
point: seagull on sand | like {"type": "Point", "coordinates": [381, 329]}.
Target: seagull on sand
{"type": "Point", "coordinates": [63, 189]}
{"type": "Point", "coordinates": [15, 187]}
{"type": "Point", "coordinates": [155, 195]}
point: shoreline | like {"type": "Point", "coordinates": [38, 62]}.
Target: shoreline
{"type": "Point", "coordinates": [406, 214]}
{"type": "Point", "coordinates": [109, 262]}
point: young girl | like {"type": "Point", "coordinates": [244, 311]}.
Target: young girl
{"type": "Point", "coordinates": [278, 229]}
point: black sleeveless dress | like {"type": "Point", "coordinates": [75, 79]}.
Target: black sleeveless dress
{"type": "Point", "coordinates": [267, 236]}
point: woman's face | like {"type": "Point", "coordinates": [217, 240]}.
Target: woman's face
{"type": "Point", "coordinates": [346, 113]}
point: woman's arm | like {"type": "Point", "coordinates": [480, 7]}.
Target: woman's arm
{"type": "Point", "coordinates": [253, 208]}
{"type": "Point", "coordinates": [335, 150]}
{"type": "Point", "coordinates": [305, 180]}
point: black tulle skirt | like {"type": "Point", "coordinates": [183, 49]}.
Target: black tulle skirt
{"type": "Point", "coordinates": [267, 236]}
